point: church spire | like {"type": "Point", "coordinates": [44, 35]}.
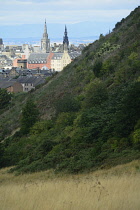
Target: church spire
{"type": "Point", "coordinates": [45, 41]}
{"type": "Point", "coordinates": [65, 40]}
{"type": "Point", "coordinates": [65, 30]}
{"type": "Point", "coordinates": [45, 35]}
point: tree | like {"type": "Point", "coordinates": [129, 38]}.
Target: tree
{"type": "Point", "coordinates": [96, 94]}
{"type": "Point", "coordinates": [67, 104]}
{"type": "Point", "coordinates": [5, 98]}
{"type": "Point", "coordinates": [30, 115]}
{"type": "Point", "coordinates": [128, 111]}
{"type": "Point", "coordinates": [97, 67]}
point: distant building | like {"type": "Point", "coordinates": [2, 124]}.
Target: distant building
{"type": "Point", "coordinates": [29, 83]}
{"type": "Point", "coordinates": [60, 60]}
{"type": "Point", "coordinates": [57, 58]}
{"type": "Point", "coordinates": [65, 40]}
{"type": "Point", "coordinates": [56, 61]}
{"type": "Point", "coordinates": [37, 60]}
{"type": "Point", "coordinates": [8, 52]}
{"type": "Point", "coordinates": [37, 49]}
{"type": "Point", "coordinates": [9, 73]}
{"type": "Point", "coordinates": [1, 45]}
{"type": "Point", "coordinates": [11, 86]}
{"type": "Point", "coordinates": [45, 41]}
{"type": "Point", "coordinates": [1, 41]}
{"type": "Point", "coordinates": [5, 62]}
{"type": "Point", "coordinates": [22, 84]}
{"type": "Point", "coordinates": [52, 60]}
{"type": "Point", "coordinates": [12, 73]}
{"type": "Point", "coordinates": [16, 72]}
{"type": "Point", "coordinates": [27, 50]}
{"type": "Point", "coordinates": [20, 62]}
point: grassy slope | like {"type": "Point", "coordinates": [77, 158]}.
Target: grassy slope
{"type": "Point", "coordinates": [116, 188]}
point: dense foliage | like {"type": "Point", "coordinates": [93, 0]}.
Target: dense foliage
{"type": "Point", "coordinates": [30, 115]}
{"type": "Point", "coordinates": [90, 115]}
{"type": "Point", "coordinates": [5, 98]}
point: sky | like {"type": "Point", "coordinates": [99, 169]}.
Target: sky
{"type": "Point", "coordinates": [13, 12]}
{"type": "Point", "coordinates": [18, 12]}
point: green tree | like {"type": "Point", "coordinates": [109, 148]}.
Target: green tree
{"type": "Point", "coordinates": [67, 104]}
{"type": "Point", "coordinates": [128, 111]}
{"type": "Point", "coordinates": [5, 98]}
{"type": "Point", "coordinates": [96, 94]}
{"type": "Point", "coordinates": [107, 68]}
{"type": "Point", "coordinates": [97, 67]}
{"type": "Point", "coordinates": [30, 115]}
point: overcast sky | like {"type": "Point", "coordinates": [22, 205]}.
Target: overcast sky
{"type": "Point", "coordinates": [14, 12]}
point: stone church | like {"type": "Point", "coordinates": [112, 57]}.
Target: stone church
{"type": "Point", "coordinates": [45, 41]}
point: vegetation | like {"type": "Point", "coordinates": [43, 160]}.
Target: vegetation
{"type": "Point", "coordinates": [5, 98]}
{"type": "Point", "coordinates": [89, 113]}
{"type": "Point", "coordinates": [116, 188]}
{"type": "Point", "coordinates": [30, 115]}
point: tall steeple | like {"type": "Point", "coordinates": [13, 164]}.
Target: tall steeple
{"type": "Point", "coordinates": [65, 40]}
{"type": "Point", "coordinates": [1, 45]}
{"type": "Point", "coordinates": [45, 30]}
{"type": "Point", "coordinates": [45, 42]}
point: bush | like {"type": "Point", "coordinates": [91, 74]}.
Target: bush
{"type": "Point", "coordinates": [67, 104]}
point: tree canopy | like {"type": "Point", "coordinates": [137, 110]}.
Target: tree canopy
{"type": "Point", "coordinates": [30, 115]}
{"type": "Point", "coordinates": [5, 98]}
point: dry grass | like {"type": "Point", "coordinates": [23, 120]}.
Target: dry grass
{"type": "Point", "coordinates": [114, 189]}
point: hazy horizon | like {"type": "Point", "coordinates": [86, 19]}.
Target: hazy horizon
{"type": "Point", "coordinates": [84, 18]}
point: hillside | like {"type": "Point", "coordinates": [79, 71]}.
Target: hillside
{"type": "Point", "coordinates": [89, 113]}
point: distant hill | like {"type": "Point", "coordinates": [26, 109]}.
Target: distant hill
{"type": "Point", "coordinates": [37, 40]}
{"type": "Point", "coordinates": [89, 112]}
{"type": "Point", "coordinates": [55, 31]}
